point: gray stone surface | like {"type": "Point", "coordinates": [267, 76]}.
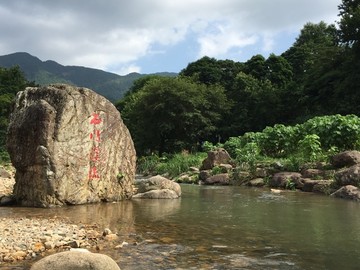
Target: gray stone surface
{"type": "Point", "coordinates": [76, 260]}
{"type": "Point", "coordinates": [69, 146]}
{"type": "Point", "coordinates": [157, 187]}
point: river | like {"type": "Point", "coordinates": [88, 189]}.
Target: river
{"type": "Point", "coordinates": [222, 227]}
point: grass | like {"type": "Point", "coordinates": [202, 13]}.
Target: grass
{"type": "Point", "coordinates": [171, 165]}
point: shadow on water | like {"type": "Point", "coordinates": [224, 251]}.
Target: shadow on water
{"type": "Point", "coordinates": [213, 227]}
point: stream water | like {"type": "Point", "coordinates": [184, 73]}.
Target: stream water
{"type": "Point", "coordinates": [213, 227]}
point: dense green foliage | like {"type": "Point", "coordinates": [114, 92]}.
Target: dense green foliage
{"type": "Point", "coordinates": [313, 140]}
{"type": "Point", "coordinates": [12, 80]}
{"type": "Point", "coordinates": [171, 114]}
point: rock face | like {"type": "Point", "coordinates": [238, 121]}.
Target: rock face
{"type": "Point", "coordinates": [157, 187]}
{"type": "Point", "coordinates": [76, 260]}
{"type": "Point", "coordinates": [69, 146]}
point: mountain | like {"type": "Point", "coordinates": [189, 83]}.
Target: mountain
{"type": "Point", "coordinates": [110, 85]}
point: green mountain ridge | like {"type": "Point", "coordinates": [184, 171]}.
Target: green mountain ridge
{"type": "Point", "coordinates": [110, 85]}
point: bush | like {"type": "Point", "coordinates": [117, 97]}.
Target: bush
{"type": "Point", "coordinates": [342, 132]}
{"type": "Point", "coordinates": [315, 140]}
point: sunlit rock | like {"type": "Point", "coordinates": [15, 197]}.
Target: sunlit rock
{"type": "Point", "coordinates": [69, 146]}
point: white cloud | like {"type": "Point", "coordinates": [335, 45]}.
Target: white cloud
{"type": "Point", "coordinates": [220, 39]}
{"type": "Point", "coordinates": [102, 34]}
{"type": "Point", "coordinates": [128, 69]}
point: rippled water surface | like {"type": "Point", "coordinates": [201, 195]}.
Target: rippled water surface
{"type": "Point", "coordinates": [214, 227]}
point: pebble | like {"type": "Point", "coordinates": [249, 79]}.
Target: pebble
{"type": "Point", "coordinates": [25, 238]}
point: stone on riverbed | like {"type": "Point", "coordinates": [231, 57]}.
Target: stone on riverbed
{"type": "Point", "coordinates": [348, 192]}
{"type": "Point", "coordinates": [76, 260]}
{"type": "Point", "coordinates": [157, 187]}
{"type": "Point", "coordinates": [69, 145]}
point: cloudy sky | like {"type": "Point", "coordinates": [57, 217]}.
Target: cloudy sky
{"type": "Point", "coordinates": [148, 36]}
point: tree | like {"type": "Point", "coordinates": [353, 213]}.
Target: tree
{"type": "Point", "coordinates": [315, 41]}
{"type": "Point", "coordinates": [350, 23]}
{"type": "Point", "coordinates": [256, 67]}
{"type": "Point", "coordinates": [210, 71]}
{"type": "Point", "coordinates": [279, 71]}
{"type": "Point", "coordinates": [170, 114]}
{"type": "Point", "coordinates": [12, 80]}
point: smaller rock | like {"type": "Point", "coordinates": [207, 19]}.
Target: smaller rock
{"type": "Point", "coordinates": [313, 173]}
{"type": "Point", "coordinates": [111, 237]}
{"type": "Point", "coordinates": [258, 182]}
{"type": "Point", "coordinates": [157, 194]}
{"type": "Point", "coordinates": [347, 192]}
{"type": "Point", "coordinates": [157, 187]}
{"type": "Point", "coordinates": [219, 179]}
{"type": "Point", "coordinates": [49, 245]}
{"type": "Point", "coordinates": [348, 176]}
{"type": "Point", "coordinates": [4, 173]}
{"type": "Point", "coordinates": [215, 158]}
{"type": "Point", "coordinates": [345, 159]}
{"type": "Point", "coordinates": [308, 185]}
{"type": "Point", "coordinates": [19, 255]}
{"type": "Point", "coordinates": [226, 167]}
{"type": "Point", "coordinates": [106, 231]}
{"type": "Point", "coordinates": [73, 244]}
{"type": "Point", "coordinates": [38, 247]}
{"type": "Point", "coordinates": [122, 244]}
{"type": "Point", "coordinates": [324, 186]}
{"type": "Point", "coordinates": [282, 179]}
{"type": "Point", "coordinates": [204, 174]}
{"type": "Point", "coordinates": [76, 260]}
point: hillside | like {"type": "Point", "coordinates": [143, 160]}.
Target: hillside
{"type": "Point", "coordinates": [110, 85]}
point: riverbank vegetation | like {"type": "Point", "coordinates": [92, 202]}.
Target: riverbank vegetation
{"type": "Point", "coordinates": [311, 142]}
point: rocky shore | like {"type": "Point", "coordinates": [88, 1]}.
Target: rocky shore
{"type": "Point", "coordinates": [25, 238]}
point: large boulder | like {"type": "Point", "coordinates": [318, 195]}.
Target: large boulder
{"type": "Point", "coordinates": [76, 260]}
{"type": "Point", "coordinates": [345, 159]}
{"type": "Point", "coordinates": [69, 145]}
{"type": "Point", "coordinates": [157, 187]}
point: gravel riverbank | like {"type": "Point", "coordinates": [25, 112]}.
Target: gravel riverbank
{"type": "Point", "coordinates": [25, 238]}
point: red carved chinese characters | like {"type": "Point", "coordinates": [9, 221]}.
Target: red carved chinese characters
{"type": "Point", "coordinates": [95, 150]}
